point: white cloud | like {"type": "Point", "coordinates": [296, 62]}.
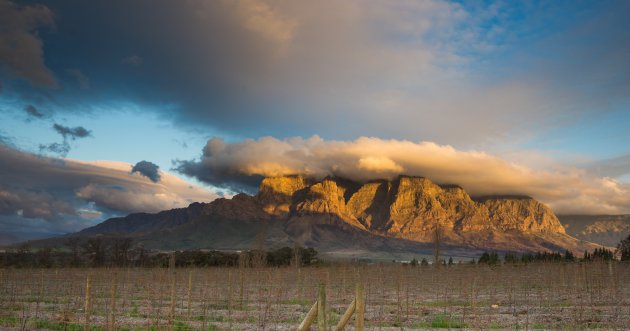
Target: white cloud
{"type": "Point", "coordinates": [566, 189]}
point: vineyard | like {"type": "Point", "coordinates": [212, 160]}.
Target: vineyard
{"type": "Point", "coordinates": [462, 296]}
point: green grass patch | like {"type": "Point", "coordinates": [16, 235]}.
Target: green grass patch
{"type": "Point", "coordinates": [301, 302]}
{"type": "Point", "coordinates": [495, 326]}
{"type": "Point", "coordinates": [9, 321]}
{"type": "Point", "coordinates": [181, 326]}
{"type": "Point", "coordinates": [443, 321]}
{"type": "Point", "coordinates": [57, 326]}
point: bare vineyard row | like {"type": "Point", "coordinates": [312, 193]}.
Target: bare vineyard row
{"type": "Point", "coordinates": [533, 296]}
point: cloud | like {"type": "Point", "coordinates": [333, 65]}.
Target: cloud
{"type": "Point", "coordinates": [61, 149]}
{"type": "Point", "coordinates": [33, 112]}
{"type": "Point", "coordinates": [614, 167]}
{"type": "Point", "coordinates": [6, 140]}
{"type": "Point", "coordinates": [462, 73]}
{"type": "Point", "coordinates": [133, 60]}
{"type": "Point", "coordinates": [68, 133]}
{"type": "Point", "coordinates": [82, 80]}
{"type": "Point", "coordinates": [72, 133]}
{"type": "Point", "coordinates": [147, 169]}
{"type": "Point", "coordinates": [33, 204]}
{"type": "Point", "coordinates": [260, 18]}
{"type": "Point", "coordinates": [69, 195]}
{"type": "Point", "coordinates": [240, 165]}
{"type": "Point", "coordinates": [21, 49]}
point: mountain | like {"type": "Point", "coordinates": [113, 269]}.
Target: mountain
{"type": "Point", "coordinates": [343, 217]}
{"type": "Point", "coordinates": [607, 230]}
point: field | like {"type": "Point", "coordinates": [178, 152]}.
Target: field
{"type": "Point", "coordinates": [572, 296]}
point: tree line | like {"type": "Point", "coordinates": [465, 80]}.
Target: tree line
{"type": "Point", "coordinates": [599, 254]}
{"type": "Point", "coordinates": [622, 253]}
{"type": "Point", "coordinates": [110, 251]}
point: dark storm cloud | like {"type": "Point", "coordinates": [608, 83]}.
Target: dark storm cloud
{"type": "Point", "coordinates": [32, 111]}
{"type": "Point", "coordinates": [435, 70]}
{"type": "Point", "coordinates": [21, 50]}
{"type": "Point", "coordinates": [458, 73]}
{"type": "Point", "coordinates": [72, 133]}
{"type": "Point", "coordinates": [220, 171]}
{"type": "Point", "coordinates": [147, 169]}
{"type": "Point", "coordinates": [225, 178]}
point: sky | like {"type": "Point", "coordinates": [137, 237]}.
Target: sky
{"type": "Point", "coordinates": [114, 107]}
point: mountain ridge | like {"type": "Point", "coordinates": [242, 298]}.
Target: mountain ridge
{"type": "Point", "coordinates": [335, 214]}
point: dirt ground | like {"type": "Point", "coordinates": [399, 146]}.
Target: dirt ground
{"type": "Point", "coordinates": [550, 296]}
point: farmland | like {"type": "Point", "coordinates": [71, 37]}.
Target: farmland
{"type": "Point", "coordinates": [462, 296]}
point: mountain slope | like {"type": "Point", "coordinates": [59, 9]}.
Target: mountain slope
{"type": "Point", "coordinates": [607, 230]}
{"type": "Point", "coordinates": [335, 215]}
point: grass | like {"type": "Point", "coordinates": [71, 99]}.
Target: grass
{"type": "Point", "coordinates": [57, 326]}
{"type": "Point", "coordinates": [443, 321]}
{"type": "Point", "coordinates": [9, 321]}
{"type": "Point", "coordinates": [181, 326]}
{"type": "Point", "coordinates": [439, 321]}
{"type": "Point", "coordinates": [301, 302]}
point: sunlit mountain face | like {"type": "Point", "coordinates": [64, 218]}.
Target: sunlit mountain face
{"type": "Point", "coordinates": [112, 107]}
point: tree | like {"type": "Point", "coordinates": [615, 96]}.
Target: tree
{"type": "Point", "coordinates": [120, 247]}
{"type": "Point", "coordinates": [437, 242]}
{"type": "Point", "coordinates": [44, 258]}
{"type": "Point", "coordinates": [623, 249]}
{"type": "Point", "coordinates": [511, 258]}
{"type": "Point", "coordinates": [603, 254]}
{"type": "Point", "coordinates": [424, 262]}
{"type": "Point", "coordinates": [94, 248]}
{"type": "Point", "coordinates": [74, 243]}
{"type": "Point", "coordinates": [491, 258]}
{"type": "Point", "coordinates": [568, 256]}
{"type": "Point", "coordinates": [414, 262]}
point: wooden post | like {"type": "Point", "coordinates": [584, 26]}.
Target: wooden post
{"type": "Point", "coordinates": [173, 293]}
{"type": "Point", "coordinates": [190, 275]}
{"type": "Point", "coordinates": [241, 290]}
{"type": "Point", "coordinates": [88, 301]}
{"type": "Point", "coordinates": [346, 316]}
{"type": "Point", "coordinates": [310, 317]}
{"type": "Point", "coordinates": [360, 308]}
{"type": "Point", "coordinates": [321, 308]}
{"type": "Point", "coordinates": [112, 313]}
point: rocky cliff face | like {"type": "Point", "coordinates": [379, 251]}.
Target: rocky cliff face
{"type": "Point", "coordinates": [408, 207]}
{"type": "Point", "coordinates": [522, 214]}
{"type": "Point", "coordinates": [276, 193]}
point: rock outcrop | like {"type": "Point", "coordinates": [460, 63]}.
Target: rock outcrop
{"type": "Point", "coordinates": [407, 207]}
{"type": "Point", "coordinates": [276, 193]}
{"type": "Point", "coordinates": [337, 214]}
